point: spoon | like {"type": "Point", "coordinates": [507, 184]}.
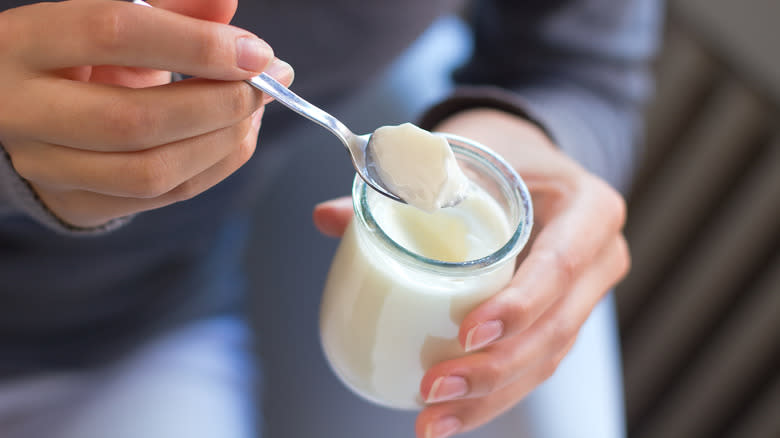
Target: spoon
{"type": "Point", "coordinates": [357, 145]}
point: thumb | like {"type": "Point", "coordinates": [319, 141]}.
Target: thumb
{"type": "Point", "coordinates": [220, 11]}
{"type": "Point", "coordinates": [332, 217]}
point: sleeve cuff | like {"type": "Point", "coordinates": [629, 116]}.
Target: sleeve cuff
{"type": "Point", "coordinates": [468, 97]}
{"type": "Point", "coordinates": [17, 197]}
{"type": "Point", "coordinates": [559, 116]}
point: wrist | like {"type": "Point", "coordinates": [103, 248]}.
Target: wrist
{"type": "Point", "coordinates": [494, 122]}
{"type": "Point", "coordinates": [519, 141]}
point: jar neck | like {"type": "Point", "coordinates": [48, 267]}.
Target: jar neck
{"type": "Point", "coordinates": [485, 169]}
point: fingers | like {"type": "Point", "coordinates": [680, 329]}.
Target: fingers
{"type": "Point", "coordinates": [563, 249]}
{"type": "Point", "coordinates": [496, 366]}
{"type": "Point", "coordinates": [447, 419]}
{"type": "Point", "coordinates": [332, 217]}
{"type": "Point", "coordinates": [89, 209]}
{"type": "Point", "coordinates": [500, 375]}
{"type": "Point", "coordinates": [146, 174]}
{"type": "Point", "coordinates": [220, 11]}
{"type": "Point", "coordinates": [108, 118]}
{"type": "Point", "coordinates": [119, 33]}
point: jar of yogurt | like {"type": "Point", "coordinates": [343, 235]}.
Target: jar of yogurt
{"type": "Point", "coordinates": [403, 279]}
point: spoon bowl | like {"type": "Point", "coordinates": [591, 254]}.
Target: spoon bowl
{"type": "Point", "coordinates": [357, 145]}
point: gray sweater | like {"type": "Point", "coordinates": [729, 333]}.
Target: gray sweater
{"type": "Point", "coordinates": [73, 297]}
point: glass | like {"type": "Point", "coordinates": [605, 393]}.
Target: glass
{"type": "Point", "coordinates": [387, 313]}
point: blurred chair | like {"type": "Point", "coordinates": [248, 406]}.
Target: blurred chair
{"type": "Point", "coordinates": [700, 311]}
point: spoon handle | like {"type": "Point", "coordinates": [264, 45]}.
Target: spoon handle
{"type": "Point", "coordinates": [283, 95]}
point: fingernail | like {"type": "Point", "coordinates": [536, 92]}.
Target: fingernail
{"type": "Point", "coordinates": [483, 334]}
{"type": "Point", "coordinates": [447, 388]}
{"type": "Point", "coordinates": [280, 70]}
{"type": "Point", "coordinates": [443, 427]}
{"type": "Point", "coordinates": [252, 54]}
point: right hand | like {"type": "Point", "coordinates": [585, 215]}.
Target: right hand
{"type": "Point", "coordinates": [88, 115]}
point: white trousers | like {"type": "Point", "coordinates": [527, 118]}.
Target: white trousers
{"type": "Point", "coordinates": [196, 382]}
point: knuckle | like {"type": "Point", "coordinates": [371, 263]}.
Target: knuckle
{"type": "Point", "coordinates": [245, 151]}
{"type": "Point", "coordinates": [612, 204]}
{"type": "Point", "coordinates": [564, 263]}
{"type": "Point", "coordinates": [186, 190]}
{"type": "Point", "coordinates": [549, 368]}
{"type": "Point", "coordinates": [130, 121]}
{"type": "Point", "coordinates": [623, 257]}
{"type": "Point", "coordinates": [561, 335]}
{"type": "Point", "coordinates": [492, 376]}
{"type": "Point", "coordinates": [239, 101]}
{"type": "Point", "coordinates": [148, 175]}
{"type": "Point", "coordinates": [620, 208]}
{"type": "Point", "coordinates": [240, 131]}
{"type": "Point", "coordinates": [520, 311]}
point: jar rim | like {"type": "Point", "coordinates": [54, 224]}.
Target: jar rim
{"type": "Point", "coordinates": [513, 186]}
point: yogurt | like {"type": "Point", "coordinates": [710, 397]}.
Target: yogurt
{"type": "Point", "coordinates": [383, 324]}
{"type": "Point", "coordinates": [417, 166]}
{"type": "Point", "coordinates": [402, 279]}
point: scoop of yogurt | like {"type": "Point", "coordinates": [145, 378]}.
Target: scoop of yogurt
{"type": "Point", "coordinates": [417, 166]}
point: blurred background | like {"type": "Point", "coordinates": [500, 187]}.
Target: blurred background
{"type": "Point", "coordinates": [700, 311]}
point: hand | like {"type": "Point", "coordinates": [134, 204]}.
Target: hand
{"type": "Point", "coordinates": [517, 338]}
{"type": "Point", "coordinates": [90, 119]}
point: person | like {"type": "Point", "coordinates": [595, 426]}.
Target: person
{"type": "Point", "coordinates": [125, 197]}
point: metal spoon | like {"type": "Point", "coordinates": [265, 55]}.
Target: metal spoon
{"type": "Point", "coordinates": [357, 145]}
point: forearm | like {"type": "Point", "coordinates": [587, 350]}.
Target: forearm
{"type": "Point", "coordinates": [579, 72]}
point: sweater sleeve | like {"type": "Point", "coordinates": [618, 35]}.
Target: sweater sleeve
{"type": "Point", "coordinates": [17, 198]}
{"type": "Point", "coordinates": [578, 69]}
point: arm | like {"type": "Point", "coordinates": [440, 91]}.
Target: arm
{"type": "Point", "coordinates": [92, 131]}
{"type": "Point", "coordinates": [577, 69]}
{"type": "Point", "coordinates": [556, 88]}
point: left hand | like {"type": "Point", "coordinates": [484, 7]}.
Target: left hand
{"type": "Point", "coordinates": [517, 338]}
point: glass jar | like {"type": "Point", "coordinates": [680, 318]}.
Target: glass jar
{"type": "Point", "coordinates": [387, 313]}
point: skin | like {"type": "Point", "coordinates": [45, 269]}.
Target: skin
{"type": "Point", "coordinates": [92, 121]}
{"type": "Point", "coordinates": [576, 255]}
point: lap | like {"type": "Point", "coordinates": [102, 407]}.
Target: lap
{"type": "Point", "coordinates": [194, 382]}
{"type": "Point", "coordinates": [303, 398]}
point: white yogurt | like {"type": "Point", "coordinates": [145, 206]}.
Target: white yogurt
{"type": "Point", "coordinates": [383, 322]}
{"type": "Point", "coordinates": [402, 279]}
{"type": "Point", "coordinates": [417, 166]}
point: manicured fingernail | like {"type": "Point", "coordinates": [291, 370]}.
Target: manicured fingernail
{"type": "Point", "coordinates": [281, 71]}
{"type": "Point", "coordinates": [443, 427]}
{"type": "Point", "coordinates": [447, 388]}
{"type": "Point", "coordinates": [252, 54]}
{"type": "Point", "coordinates": [483, 334]}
